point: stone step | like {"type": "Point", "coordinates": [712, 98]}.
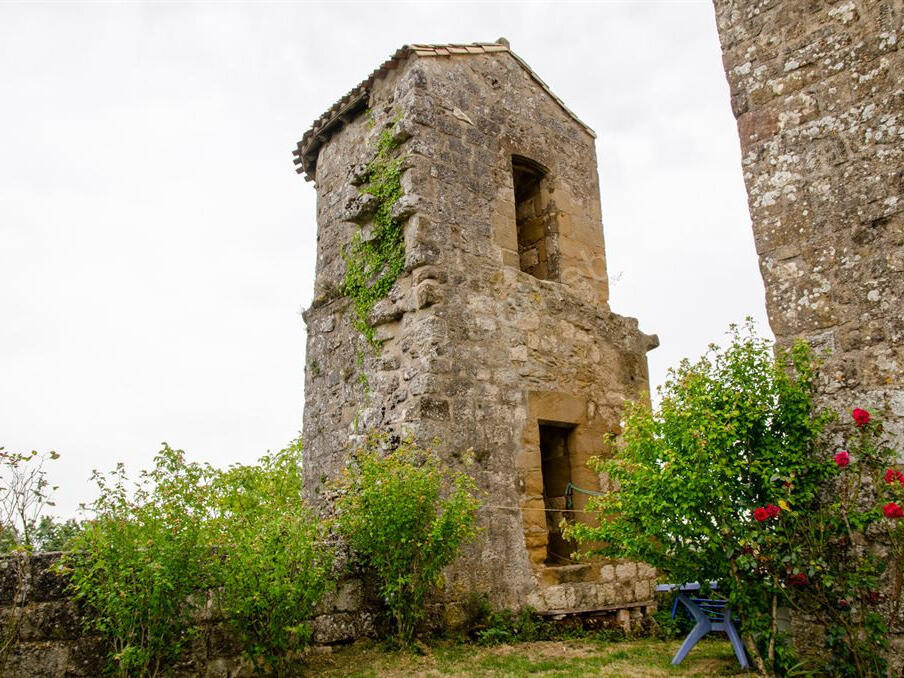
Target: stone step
{"type": "Point", "coordinates": [569, 574]}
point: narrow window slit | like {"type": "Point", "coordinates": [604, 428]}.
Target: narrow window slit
{"type": "Point", "coordinates": [535, 219]}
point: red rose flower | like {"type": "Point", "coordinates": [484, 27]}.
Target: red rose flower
{"type": "Point", "coordinates": [772, 510]}
{"type": "Point", "coordinates": [799, 579]}
{"type": "Point", "coordinates": [892, 510]}
{"type": "Point", "coordinates": [760, 514]}
{"type": "Point", "coordinates": [894, 476]}
{"type": "Point", "coordinates": [843, 458]}
{"type": "Point", "coordinates": [861, 417]}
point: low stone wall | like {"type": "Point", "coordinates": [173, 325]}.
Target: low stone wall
{"type": "Point", "coordinates": [52, 642]}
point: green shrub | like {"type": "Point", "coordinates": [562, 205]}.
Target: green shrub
{"type": "Point", "coordinates": [51, 534]}
{"type": "Point", "coordinates": [407, 516]}
{"type": "Point", "coordinates": [273, 564]}
{"type": "Point", "coordinates": [665, 625]}
{"type": "Point", "coordinates": [733, 437]}
{"type": "Point", "coordinates": [143, 560]}
{"type": "Point", "coordinates": [730, 479]}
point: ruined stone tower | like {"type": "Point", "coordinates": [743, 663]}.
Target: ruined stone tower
{"type": "Point", "coordinates": [818, 93]}
{"type": "Point", "coordinates": [496, 333]}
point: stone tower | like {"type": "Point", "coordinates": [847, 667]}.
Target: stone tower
{"type": "Point", "coordinates": [495, 333]}
{"type": "Point", "coordinates": [818, 94]}
{"type": "Point", "coordinates": [817, 90]}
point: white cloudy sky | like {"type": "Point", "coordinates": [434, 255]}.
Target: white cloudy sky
{"type": "Point", "coordinates": [156, 245]}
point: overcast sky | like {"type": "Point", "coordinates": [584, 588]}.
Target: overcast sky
{"type": "Point", "coordinates": [156, 245]}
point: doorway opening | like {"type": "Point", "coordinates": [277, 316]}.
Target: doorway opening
{"type": "Point", "coordinates": [556, 469]}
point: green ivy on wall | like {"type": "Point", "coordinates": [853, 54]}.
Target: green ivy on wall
{"type": "Point", "coordinates": [373, 265]}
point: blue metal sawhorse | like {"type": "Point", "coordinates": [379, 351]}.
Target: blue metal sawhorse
{"type": "Point", "coordinates": [711, 614]}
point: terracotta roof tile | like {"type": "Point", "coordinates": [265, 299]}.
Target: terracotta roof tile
{"type": "Point", "coordinates": [355, 100]}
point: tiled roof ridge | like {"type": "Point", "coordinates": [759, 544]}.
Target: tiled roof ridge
{"type": "Point", "coordinates": [356, 99]}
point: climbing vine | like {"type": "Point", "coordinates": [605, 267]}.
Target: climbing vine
{"type": "Point", "coordinates": [372, 265]}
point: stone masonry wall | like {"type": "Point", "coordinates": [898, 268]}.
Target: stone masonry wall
{"type": "Point", "coordinates": [52, 643]}
{"type": "Point", "coordinates": [477, 352]}
{"type": "Point", "coordinates": [817, 90]}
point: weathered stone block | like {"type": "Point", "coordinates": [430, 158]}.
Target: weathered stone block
{"type": "Point", "coordinates": [626, 571]}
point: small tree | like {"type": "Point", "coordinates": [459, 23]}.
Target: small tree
{"type": "Point", "coordinates": [25, 492]}
{"type": "Point", "coordinates": [407, 516]}
{"type": "Point", "coordinates": [273, 565]}
{"type": "Point", "coordinates": [730, 447]}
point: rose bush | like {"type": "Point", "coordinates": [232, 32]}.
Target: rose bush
{"type": "Point", "coordinates": [850, 545]}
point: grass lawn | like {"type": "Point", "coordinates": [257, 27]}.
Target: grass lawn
{"type": "Point", "coordinates": [575, 658]}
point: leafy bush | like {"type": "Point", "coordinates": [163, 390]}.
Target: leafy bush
{"type": "Point", "coordinates": [407, 516]}
{"type": "Point", "coordinates": [730, 480]}
{"type": "Point", "coordinates": [141, 561]}
{"type": "Point", "coordinates": [733, 436]}
{"type": "Point", "coordinates": [51, 534]}
{"type": "Point", "coordinates": [274, 565]}
{"type": "Point", "coordinates": [666, 626]}
{"type": "Point", "coordinates": [147, 559]}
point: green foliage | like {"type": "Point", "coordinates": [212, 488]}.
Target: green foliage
{"type": "Point", "coordinates": [731, 479]}
{"type": "Point", "coordinates": [273, 566]}
{"type": "Point", "coordinates": [733, 433]}
{"type": "Point", "coordinates": [143, 560]}
{"type": "Point", "coordinates": [506, 626]}
{"type": "Point", "coordinates": [665, 625]}
{"type": "Point", "coordinates": [407, 516]}
{"type": "Point", "coordinates": [56, 535]}
{"type": "Point", "coordinates": [373, 264]}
